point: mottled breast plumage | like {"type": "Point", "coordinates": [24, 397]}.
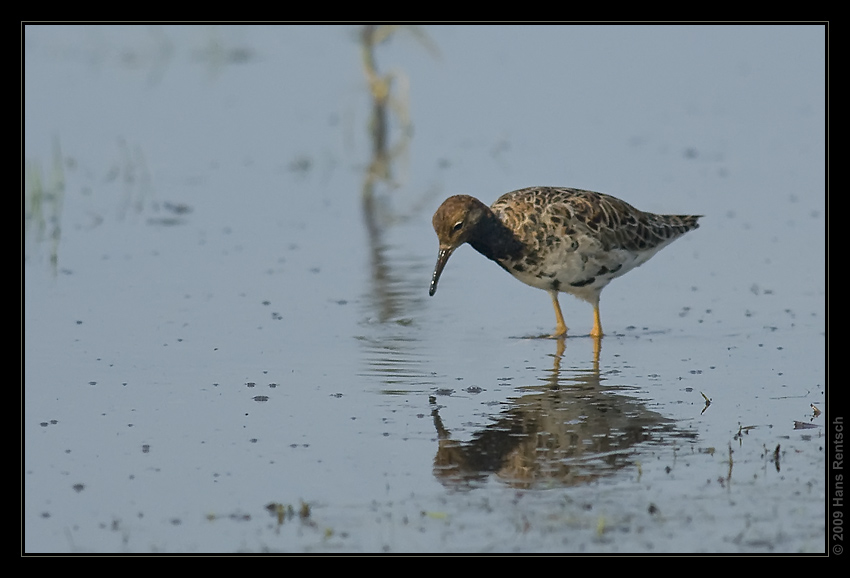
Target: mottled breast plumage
{"type": "Point", "coordinates": [578, 241]}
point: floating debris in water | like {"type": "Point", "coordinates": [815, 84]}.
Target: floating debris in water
{"type": "Point", "coordinates": [804, 425]}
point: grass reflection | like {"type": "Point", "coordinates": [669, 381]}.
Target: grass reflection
{"type": "Point", "coordinates": [44, 195]}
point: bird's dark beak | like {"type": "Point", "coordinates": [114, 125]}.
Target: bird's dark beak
{"type": "Point", "coordinates": [442, 259]}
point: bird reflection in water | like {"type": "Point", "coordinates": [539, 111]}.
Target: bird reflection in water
{"type": "Point", "coordinates": [570, 430]}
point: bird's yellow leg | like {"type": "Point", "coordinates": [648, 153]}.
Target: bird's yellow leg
{"type": "Point", "coordinates": [597, 325]}
{"type": "Point", "coordinates": [560, 326]}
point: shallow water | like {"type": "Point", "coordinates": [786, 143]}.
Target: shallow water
{"type": "Point", "coordinates": [228, 342]}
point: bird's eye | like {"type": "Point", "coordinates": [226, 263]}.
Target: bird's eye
{"type": "Point", "coordinates": [458, 226]}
